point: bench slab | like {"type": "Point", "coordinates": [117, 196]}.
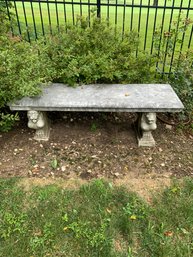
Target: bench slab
{"type": "Point", "coordinates": [103, 97]}
{"type": "Point", "coordinates": [145, 99]}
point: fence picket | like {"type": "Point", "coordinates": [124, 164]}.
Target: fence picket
{"type": "Point", "coordinates": [36, 17]}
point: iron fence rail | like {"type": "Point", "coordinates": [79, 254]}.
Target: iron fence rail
{"type": "Point", "coordinates": [38, 17]}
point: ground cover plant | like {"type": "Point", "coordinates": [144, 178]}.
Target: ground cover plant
{"type": "Point", "coordinates": [97, 219]}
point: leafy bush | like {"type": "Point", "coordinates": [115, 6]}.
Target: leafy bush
{"type": "Point", "coordinates": [4, 19]}
{"type": "Point", "coordinates": [168, 45]}
{"type": "Point", "coordinates": [94, 53]}
{"type": "Point", "coordinates": [182, 82]}
{"type": "Point", "coordinates": [7, 121]}
{"type": "Point", "coordinates": [23, 67]}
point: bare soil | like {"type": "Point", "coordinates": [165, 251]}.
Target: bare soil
{"type": "Point", "coordinates": [84, 146]}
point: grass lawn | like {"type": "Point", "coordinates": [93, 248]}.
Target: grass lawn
{"type": "Point", "coordinates": [143, 20]}
{"type": "Point", "coordinates": [96, 219]}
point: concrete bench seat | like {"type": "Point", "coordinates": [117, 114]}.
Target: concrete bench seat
{"type": "Point", "coordinates": [144, 99]}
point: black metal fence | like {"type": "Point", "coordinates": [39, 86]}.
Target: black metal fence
{"type": "Point", "coordinates": [38, 17]}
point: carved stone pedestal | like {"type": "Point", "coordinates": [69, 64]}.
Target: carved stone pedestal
{"type": "Point", "coordinates": [146, 124]}
{"type": "Point", "coordinates": [146, 140]}
{"type": "Point", "coordinates": [38, 120]}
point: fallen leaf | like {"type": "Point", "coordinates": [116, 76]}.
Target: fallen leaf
{"type": "Point", "coordinates": [133, 217]}
{"type": "Point", "coordinates": [109, 211]}
{"type": "Point", "coordinates": [168, 233]}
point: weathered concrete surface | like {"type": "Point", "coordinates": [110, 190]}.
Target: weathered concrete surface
{"type": "Point", "coordinates": [38, 120]}
{"type": "Point", "coordinates": [104, 97]}
{"type": "Point", "coordinates": [146, 124]}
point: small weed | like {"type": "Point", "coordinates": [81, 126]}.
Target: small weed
{"type": "Point", "coordinates": [54, 164]}
{"type": "Point", "coordinates": [130, 252]}
{"type": "Point", "coordinates": [32, 160]}
{"type": "Point", "coordinates": [44, 193]}
{"type": "Point", "coordinates": [94, 127]}
{"type": "Point", "coordinates": [92, 236]}
{"type": "Point", "coordinates": [12, 223]}
{"type": "Point", "coordinates": [42, 240]}
{"type": "Point", "coordinates": [135, 209]}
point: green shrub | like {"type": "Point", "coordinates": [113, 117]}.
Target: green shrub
{"type": "Point", "coordinates": [23, 68]}
{"type": "Point", "coordinates": [168, 47]}
{"type": "Point", "coordinates": [182, 82]}
{"type": "Point", "coordinates": [95, 53]}
{"type": "Point", "coordinates": [7, 121]}
{"type": "Point", "coordinates": [4, 19]}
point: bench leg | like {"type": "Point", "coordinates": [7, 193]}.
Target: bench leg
{"type": "Point", "coordinates": [38, 120]}
{"type": "Point", "coordinates": [146, 124]}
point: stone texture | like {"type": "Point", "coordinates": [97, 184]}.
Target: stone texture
{"type": "Point", "coordinates": [38, 120]}
{"type": "Point", "coordinates": [146, 140]}
{"type": "Point", "coordinates": [104, 97]}
{"type": "Point", "coordinates": [146, 124]}
{"type": "Point", "coordinates": [145, 99]}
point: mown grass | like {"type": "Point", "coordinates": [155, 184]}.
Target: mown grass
{"type": "Point", "coordinates": [97, 219]}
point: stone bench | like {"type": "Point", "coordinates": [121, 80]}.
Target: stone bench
{"type": "Point", "coordinates": [144, 99]}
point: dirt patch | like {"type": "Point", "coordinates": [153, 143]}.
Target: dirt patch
{"type": "Point", "coordinates": [84, 146]}
{"type": "Point", "coordinates": [145, 187]}
{"type": "Point", "coordinates": [28, 183]}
